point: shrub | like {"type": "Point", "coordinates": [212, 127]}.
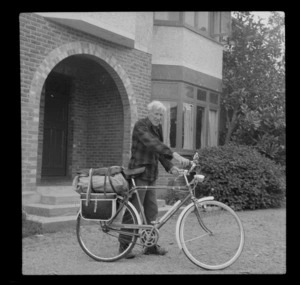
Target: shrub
{"type": "Point", "coordinates": [272, 147]}
{"type": "Point", "coordinates": [241, 177]}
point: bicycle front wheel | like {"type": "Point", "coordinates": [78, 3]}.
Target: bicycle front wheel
{"type": "Point", "coordinates": [102, 241]}
{"type": "Point", "coordinates": [211, 235]}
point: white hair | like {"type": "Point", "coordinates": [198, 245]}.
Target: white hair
{"type": "Point", "coordinates": [156, 105]}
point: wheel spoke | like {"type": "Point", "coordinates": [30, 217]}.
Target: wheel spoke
{"type": "Point", "coordinates": [102, 242]}
{"type": "Point", "coordinates": [188, 240]}
{"type": "Point", "coordinates": [207, 250]}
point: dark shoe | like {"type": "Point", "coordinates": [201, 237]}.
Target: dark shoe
{"type": "Point", "coordinates": [156, 249]}
{"type": "Point", "coordinates": [129, 255]}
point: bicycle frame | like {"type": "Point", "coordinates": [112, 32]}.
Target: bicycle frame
{"type": "Point", "coordinates": [198, 233]}
{"type": "Point", "coordinates": [157, 225]}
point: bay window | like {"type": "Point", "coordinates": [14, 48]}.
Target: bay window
{"type": "Point", "coordinates": [221, 25]}
{"type": "Point", "coordinates": [202, 21]}
{"type": "Point", "coordinates": [187, 126]}
{"type": "Point", "coordinates": [212, 128]}
{"type": "Point", "coordinates": [192, 116]}
{"type": "Point", "coordinates": [215, 25]}
{"type": "Point", "coordinates": [167, 16]}
{"type": "Point", "coordinates": [189, 18]}
{"type": "Point", "coordinates": [200, 139]}
{"type": "Point", "coordinates": [169, 123]}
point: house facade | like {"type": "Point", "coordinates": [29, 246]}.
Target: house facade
{"type": "Point", "coordinates": [86, 78]}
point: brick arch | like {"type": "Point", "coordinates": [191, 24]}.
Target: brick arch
{"type": "Point", "coordinates": [106, 59]}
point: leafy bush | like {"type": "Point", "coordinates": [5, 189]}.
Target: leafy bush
{"type": "Point", "coordinates": [241, 177]}
{"type": "Point", "coordinates": [268, 144]}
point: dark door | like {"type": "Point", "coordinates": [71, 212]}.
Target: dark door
{"type": "Point", "coordinates": [57, 89]}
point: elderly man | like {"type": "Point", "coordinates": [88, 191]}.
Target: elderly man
{"type": "Point", "coordinates": [147, 149]}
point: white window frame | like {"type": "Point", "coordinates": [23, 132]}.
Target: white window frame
{"type": "Point", "coordinates": [180, 99]}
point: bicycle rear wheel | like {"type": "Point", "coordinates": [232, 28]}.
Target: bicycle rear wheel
{"type": "Point", "coordinates": [101, 242]}
{"type": "Point", "coordinates": [214, 239]}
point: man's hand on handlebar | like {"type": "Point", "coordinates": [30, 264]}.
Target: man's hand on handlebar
{"type": "Point", "coordinates": [183, 161]}
{"type": "Point", "coordinates": [177, 171]}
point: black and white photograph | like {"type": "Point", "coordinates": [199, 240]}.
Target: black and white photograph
{"type": "Point", "coordinates": [153, 143]}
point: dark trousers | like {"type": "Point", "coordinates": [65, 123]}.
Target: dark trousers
{"type": "Point", "coordinates": [149, 202]}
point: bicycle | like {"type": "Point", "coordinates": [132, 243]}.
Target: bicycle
{"type": "Point", "coordinates": [209, 232]}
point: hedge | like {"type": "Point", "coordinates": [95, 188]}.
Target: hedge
{"type": "Point", "coordinates": [240, 177]}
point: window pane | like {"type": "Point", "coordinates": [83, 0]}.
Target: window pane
{"type": "Point", "coordinates": [199, 127]}
{"type": "Point", "coordinates": [189, 18]}
{"type": "Point", "coordinates": [212, 128]}
{"type": "Point", "coordinates": [202, 21]}
{"type": "Point", "coordinates": [216, 22]}
{"type": "Point", "coordinates": [187, 126]}
{"type": "Point", "coordinates": [225, 22]}
{"type": "Point", "coordinates": [213, 98]}
{"type": "Point", "coordinates": [201, 95]}
{"type": "Point", "coordinates": [171, 16]}
{"type": "Point", "coordinates": [189, 91]}
{"type": "Point", "coordinates": [169, 124]}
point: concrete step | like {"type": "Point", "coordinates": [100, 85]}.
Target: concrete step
{"type": "Point", "coordinates": [53, 224]}
{"type": "Point", "coordinates": [163, 210]}
{"type": "Point", "coordinates": [42, 189]}
{"type": "Point", "coordinates": [30, 197]}
{"type": "Point", "coordinates": [54, 218]}
{"type": "Point", "coordinates": [60, 199]}
{"type": "Point", "coordinates": [47, 210]}
{"type": "Point", "coordinates": [161, 203]}
{"type": "Point", "coordinates": [58, 194]}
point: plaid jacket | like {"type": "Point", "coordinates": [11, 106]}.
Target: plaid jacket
{"type": "Point", "coordinates": [148, 148]}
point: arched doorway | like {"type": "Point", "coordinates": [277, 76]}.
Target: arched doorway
{"type": "Point", "coordinates": [32, 154]}
{"type": "Point", "coordinates": [56, 94]}
{"type": "Point", "coordinates": [82, 118]}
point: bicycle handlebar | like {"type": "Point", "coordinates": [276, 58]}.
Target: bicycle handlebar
{"type": "Point", "coordinates": [188, 171]}
{"type": "Point", "coordinates": [193, 166]}
{"type": "Point", "coordinates": [196, 178]}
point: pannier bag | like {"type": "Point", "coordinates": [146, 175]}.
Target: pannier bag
{"type": "Point", "coordinates": [104, 180]}
{"type": "Point", "coordinates": [100, 206]}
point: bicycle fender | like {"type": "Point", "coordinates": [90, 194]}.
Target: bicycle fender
{"type": "Point", "coordinates": [136, 213]}
{"type": "Point", "coordinates": [209, 198]}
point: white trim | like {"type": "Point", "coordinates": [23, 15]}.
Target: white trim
{"type": "Point", "coordinates": [92, 26]}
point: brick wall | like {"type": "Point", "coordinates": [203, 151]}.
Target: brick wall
{"type": "Point", "coordinates": [78, 131]}
{"type": "Point", "coordinates": [42, 45]}
{"type": "Point", "coordinates": [96, 127]}
{"type": "Point", "coordinates": [40, 136]}
{"type": "Point", "coordinates": [105, 126]}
